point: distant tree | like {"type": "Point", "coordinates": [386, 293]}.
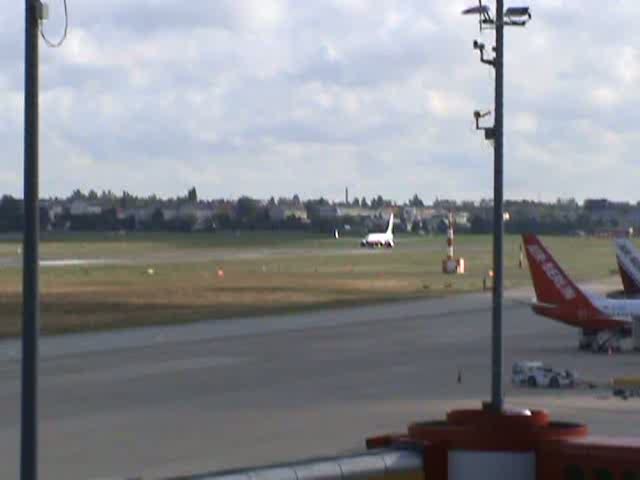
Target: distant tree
{"type": "Point", "coordinates": [157, 219]}
{"type": "Point", "coordinates": [356, 202]}
{"type": "Point", "coordinates": [188, 223]}
{"type": "Point", "coordinates": [192, 195]}
{"type": "Point", "coordinates": [125, 199]}
{"type": "Point", "coordinates": [129, 223]}
{"type": "Point", "coordinates": [92, 195]}
{"type": "Point", "coordinates": [10, 214]}
{"type": "Point", "coordinates": [247, 210]}
{"type": "Point", "coordinates": [296, 199]}
{"type": "Point", "coordinates": [363, 203]}
{"type": "Point", "coordinates": [378, 202]}
{"type": "Point", "coordinates": [223, 220]}
{"type": "Point", "coordinates": [416, 201]}
{"type": "Point", "coordinates": [44, 218]}
{"type": "Point", "coordinates": [77, 195]}
{"type": "Point", "coordinates": [108, 219]}
{"type": "Point", "coordinates": [480, 225]}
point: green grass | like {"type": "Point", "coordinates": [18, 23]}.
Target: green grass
{"type": "Point", "coordinates": [298, 271]}
{"type": "Point", "coordinates": [88, 244]}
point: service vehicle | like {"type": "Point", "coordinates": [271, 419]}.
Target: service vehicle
{"type": "Point", "coordinates": [537, 374]}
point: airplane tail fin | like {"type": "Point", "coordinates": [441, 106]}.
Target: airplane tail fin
{"type": "Point", "coordinates": [390, 227]}
{"type": "Point", "coordinates": [552, 285]}
{"type": "Point", "coordinates": [628, 259]}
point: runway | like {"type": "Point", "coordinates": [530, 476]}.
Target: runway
{"type": "Point", "coordinates": [222, 394]}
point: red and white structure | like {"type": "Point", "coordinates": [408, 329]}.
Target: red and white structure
{"type": "Point", "coordinates": [515, 444]}
{"type": "Point", "coordinates": [474, 444]}
{"type": "Point", "coordinates": [451, 264]}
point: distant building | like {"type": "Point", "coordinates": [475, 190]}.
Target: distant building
{"type": "Point", "coordinates": [55, 211]}
{"type": "Point", "coordinates": [279, 213]}
{"type": "Point", "coordinates": [325, 211]}
{"type": "Point", "coordinates": [82, 207]}
{"type": "Point", "coordinates": [356, 212]}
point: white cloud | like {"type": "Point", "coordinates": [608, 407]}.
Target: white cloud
{"type": "Point", "coordinates": [525, 122]}
{"type": "Point", "coordinates": [273, 96]}
{"type": "Point", "coordinates": [443, 103]}
{"type": "Point", "coordinates": [604, 97]}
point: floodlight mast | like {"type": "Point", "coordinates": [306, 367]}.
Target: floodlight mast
{"type": "Point", "coordinates": [35, 11]}
{"type": "Point", "coordinates": [517, 17]}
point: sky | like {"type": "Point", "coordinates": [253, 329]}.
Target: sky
{"type": "Point", "coordinates": [277, 97]}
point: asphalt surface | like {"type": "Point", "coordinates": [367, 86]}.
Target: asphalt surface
{"type": "Point", "coordinates": [222, 394]}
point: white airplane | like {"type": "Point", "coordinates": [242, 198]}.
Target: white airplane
{"type": "Point", "coordinates": [628, 259]}
{"type": "Point", "coordinates": [603, 321]}
{"type": "Point", "coordinates": [380, 239]}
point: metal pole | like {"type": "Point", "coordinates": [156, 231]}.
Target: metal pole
{"type": "Point", "coordinates": [497, 395]}
{"type": "Point", "coordinates": [30, 296]}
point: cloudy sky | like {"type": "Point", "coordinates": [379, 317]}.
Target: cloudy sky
{"type": "Point", "coordinates": [276, 97]}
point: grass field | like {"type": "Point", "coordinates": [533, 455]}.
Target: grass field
{"type": "Point", "coordinates": [264, 272]}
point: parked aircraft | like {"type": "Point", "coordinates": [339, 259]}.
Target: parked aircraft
{"type": "Point", "coordinates": [380, 239]}
{"type": "Point", "coordinates": [628, 259]}
{"type": "Point", "coordinates": [603, 322]}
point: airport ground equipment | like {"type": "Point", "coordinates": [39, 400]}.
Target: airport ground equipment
{"type": "Point", "coordinates": [606, 341]}
{"type": "Point", "coordinates": [626, 386]}
{"type": "Point", "coordinates": [536, 374]}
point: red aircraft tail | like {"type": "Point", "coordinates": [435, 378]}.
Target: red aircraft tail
{"type": "Point", "coordinates": [552, 285]}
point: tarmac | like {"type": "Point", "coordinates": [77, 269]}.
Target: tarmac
{"type": "Point", "coordinates": [221, 394]}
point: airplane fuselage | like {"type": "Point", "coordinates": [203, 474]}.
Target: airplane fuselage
{"type": "Point", "coordinates": [378, 240]}
{"type": "Point", "coordinates": [607, 317]}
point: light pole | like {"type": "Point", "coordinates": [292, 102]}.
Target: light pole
{"type": "Point", "coordinates": [512, 16]}
{"type": "Point", "coordinates": [35, 12]}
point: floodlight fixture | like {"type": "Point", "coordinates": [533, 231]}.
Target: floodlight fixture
{"type": "Point", "coordinates": [480, 47]}
{"type": "Point", "coordinates": [489, 132]}
{"type": "Point", "coordinates": [479, 10]}
{"type": "Point", "coordinates": [478, 114]}
{"type": "Point", "coordinates": [513, 16]}
{"type": "Point", "coordinates": [518, 13]}
{"type": "Point", "coordinates": [484, 15]}
{"type": "Point", "coordinates": [517, 16]}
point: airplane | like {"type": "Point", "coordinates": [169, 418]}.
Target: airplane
{"type": "Point", "coordinates": [380, 239]}
{"type": "Point", "coordinates": [604, 322]}
{"type": "Point", "coordinates": [628, 259]}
